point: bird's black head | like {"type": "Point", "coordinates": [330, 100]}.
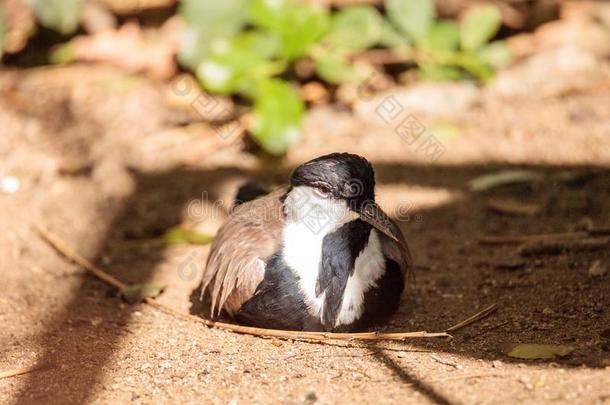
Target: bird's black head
{"type": "Point", "coordinates": [339, 176]}
{"type": "Point", "coordinates": [348, 178]}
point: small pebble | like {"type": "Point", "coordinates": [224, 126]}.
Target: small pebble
{"type": "Point", "coordinates": [10, 184]}
{"type": "Point", "coordinates": [598, 269]}
{"type": "Point", "coordinates": [311, 397]}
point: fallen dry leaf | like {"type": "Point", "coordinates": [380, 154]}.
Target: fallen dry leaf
{"type": "Point", "coordinates": [556, 247]}
{"type": "Point", "coordinates": [510, 265]}
{"type": "Point", "coordinates": [503, 178]}
{"type": "Point", "coordinates": [314, 92]}
{"type": "Point", "coordinates": [95, 17]}
{"type": "Point", "coordinates": [139, 292]}
{"type": "Point", "coordinates": [513, 207]}
{"type": "Point", "coordinates": [598, 269]}
{"type": "Point", "coordinates": [178, 236]}
{"type": "Point", "coordinates": [132, 49]}
{"type": "Point", "coordinates": [532, 351]}
{"type": "Point", "coordinates": [20, 24]}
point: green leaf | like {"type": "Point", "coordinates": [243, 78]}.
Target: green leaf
{"type": "Point", "coordinates": [335, 68]}
{"type": "Point", "coordinates": [391, 38]}
{"type": "Point", "coordinates": [412, 17]}
{"type": "Point", "coordinates": [475, 65]}
{"type": "Point", "coordinates": [297, 25]}
{"type": "Point", "coordinates": [445, 130]}
{"type": "Point", "coordinates": [181, 236]}
{"type": "Point", "coordinates": [479, 25]}
{"type": "Point", "coordinates": [438, 72]}
{"type": "Point", "coordinates": [355, 28]}
{"type": "Point", "coordinates": [265, 44]}
{"type": "Point", "coordinates": [442, 36]}
{"type": "Point", "coordinates": [63, 53]}
{"type": "Point", "coordinates": [207, 24]}
{"type": "Point", "coordinates": [497, 54]}
{"type": "Point", "coordinates": [59, 15]}
{"type": "Point", "coordinates": [536, 351]}
{"type": "Point", "coordinates": [135, 293]}
{"type": "Point", "coordinates": [235, 71]}
{"type": "Point", "coordinates": [268, 14]}
{"type": "Point", "coordinates": [278, 112]}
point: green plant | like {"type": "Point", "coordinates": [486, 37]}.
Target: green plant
{"type": "Point", "coordinates": [59, 15]}
{"type": "Point", "coordinates": [231, 59]}
{"type": "Point", "coordinates": [352, 29]}
{"type": "Point", "coordinates": [446, 50]}
{"type": "Point", "coordinates": [258, 43]}
{"type": "Point", "coordinates": [248, 48]}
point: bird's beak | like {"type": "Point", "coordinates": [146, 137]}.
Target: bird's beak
{"type": "Point", "coordinates": [372, 213]}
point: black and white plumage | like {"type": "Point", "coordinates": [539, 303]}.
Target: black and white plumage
{"type": "Point", "coordinates": [317, 255]}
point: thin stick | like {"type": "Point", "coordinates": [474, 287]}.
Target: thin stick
{"type": "Point", "coordinates": [67, 251]}
{"type": "Point", "coordinates": [460, 377]}
{"type": "Point", "coordinates": [63, 248]}
{"type": "Point", "coordinates": [478, 316]}
{"type": "Point", "coordinates": [291, 334]}
{"type": "Point", "coordinates": [385, 56]}
{"type": "Point", "coordinates": [19, 371]}
{"type": "Point", "coordinates": [520, 239]}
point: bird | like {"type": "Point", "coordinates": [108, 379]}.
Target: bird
{"type": "Point", "coordinates": [318, 254]}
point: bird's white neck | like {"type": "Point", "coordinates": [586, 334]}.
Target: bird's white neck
{"type": "Point", "coordinates": [309, 218]}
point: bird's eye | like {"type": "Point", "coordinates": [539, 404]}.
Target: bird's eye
{"type": "Point", "coordinates": [323, 191]}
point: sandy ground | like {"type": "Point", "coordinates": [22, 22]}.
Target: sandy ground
{"type": "Point", "coordinates": [98, 167]}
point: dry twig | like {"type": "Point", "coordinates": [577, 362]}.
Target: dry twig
{"type": "Point", "coordinates": [22, 370]}
{"type": "Point", "coordinates": [476, 317]}
{"type": "Point", "coordinates": [63, 248]}
{"type": "Point", "coordinates": [520, 239]}
{"type": "Point", "coordinates": [559, 247]}
{"type": "Point", "coordinates": [461, 377]}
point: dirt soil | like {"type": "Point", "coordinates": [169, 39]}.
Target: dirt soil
{"type": "Point", "coordinates": [102, 164]}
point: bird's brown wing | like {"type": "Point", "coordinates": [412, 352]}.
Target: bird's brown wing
{"type": "Point", "coordinates": [235, 265]}
{"type": "Point", "coordinates": [398, 251]}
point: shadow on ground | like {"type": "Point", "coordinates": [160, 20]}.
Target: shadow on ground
{"type": "Point", "coordinates": [543, 299]}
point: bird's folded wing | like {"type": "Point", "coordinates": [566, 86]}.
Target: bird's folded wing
{"type": "Point", "coordinates": [398, 251]}
{"type": "Point", "coordinates": [236, 264]}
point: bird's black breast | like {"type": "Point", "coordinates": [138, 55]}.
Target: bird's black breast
{"type": "Point", "coordinates": [339, 252]}
{"type": "Point", "coordinates": [278, 302]}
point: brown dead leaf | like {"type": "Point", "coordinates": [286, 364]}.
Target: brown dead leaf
{"type": "Point", "coordinates": [598, 269]}
{"type": "Point", "coordinates": [314, 92]}
{"type": "Point", "coordinates": [556, 246]}
{"type": "Point", "coordinates": [133, 49]}
{"type": "Point", "coordinates": [20, 24]}
{"type": "Point", "coordinates": [95, 17]}
{"type": "Point", "coordinates": [532, 351]}
{"type": "Point", "coordinates": [513, 207]}
{"type": "Point", "coordinates": [123, 7]}
{"type": "Point", "coordinates": [510, 265]}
